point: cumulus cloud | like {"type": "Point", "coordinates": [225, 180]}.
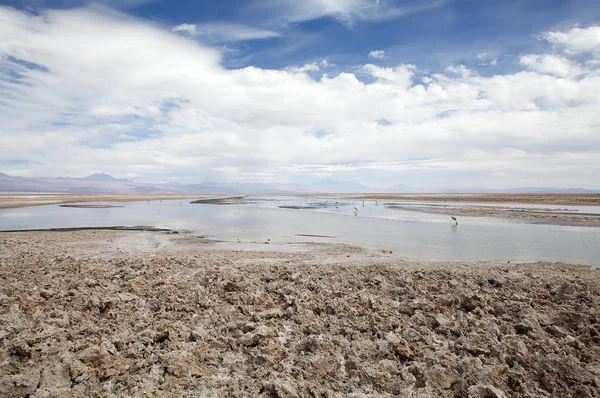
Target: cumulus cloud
{"type": "Point", "coordinates": [551, 65]}
{"type": "Point", "coordinates": [460, 70]}
{"type": "Point", "coordinates": [190, 29]}
{"type": "Point", "coordinates": [401, 75]}
{"type": "Point", "coordinates": [86, 90]}
{"type": "Point", "coordinates": [377, 54]}
{"type": "Point", "coordinates": [576, 40]}
{"type": "Point", "coordinates": [311, 67]}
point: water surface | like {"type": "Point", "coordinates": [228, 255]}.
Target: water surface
{"type": "Point", "coordinates": [407, 233]}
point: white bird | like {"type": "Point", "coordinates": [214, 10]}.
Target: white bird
{"type": "Point", "coordinates": [355, 211]}
{"type": "Point", "coordinates": [453, 220]}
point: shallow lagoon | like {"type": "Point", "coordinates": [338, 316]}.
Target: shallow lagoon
{"type": "Point", "coordinates": [407, 233]}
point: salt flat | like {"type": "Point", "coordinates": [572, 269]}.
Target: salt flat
{"type": "Point", "coordinates": [152, 314]}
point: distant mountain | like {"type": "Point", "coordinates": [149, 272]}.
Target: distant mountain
{"type": "Point", "coordinates": [103, 177]}
{"type": "Point", "coordinates": [104, 183]}
{"type": "Point", "coordinates": [96, 177]}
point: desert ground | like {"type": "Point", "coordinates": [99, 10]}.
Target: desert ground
{"type": "Point", "coordinates": [129, 313]}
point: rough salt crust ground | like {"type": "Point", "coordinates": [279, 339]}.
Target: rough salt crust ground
{"type": "Point", "coordinates": [104, 313]}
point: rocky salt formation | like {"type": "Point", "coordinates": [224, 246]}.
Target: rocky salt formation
{"type": "Point", "coordinates": [84, 320]}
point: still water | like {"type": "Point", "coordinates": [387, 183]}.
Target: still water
{"type": "Point", "coordinates": [407, 233]}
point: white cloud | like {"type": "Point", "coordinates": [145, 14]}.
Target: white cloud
{"type": "Point", "coordinates": [83, 91]}
{"type": "Point", "coordinates": [460, 70]}
{"type": "Point", "coordinates": [377, 54]}
{"type": "Point", "coordinates": [576, 40]}
{"type": "Point", "coordinates": [345, 11]}
{"type": "Point", "coordinates": [223, 32]}
{"type": "Point", "coordinates": [120, 4]}
{"type": "Point", "coordinates": [311, 67]}
{"type": "Point", "coordinates": [326, 64]}
{"type": "Point", "coordinates": [401, 75]}
{"type": "Point", "coordinates": [551, 65]}
{"type": "Point", "coordinates": [186, 28]}
{"type": "Point", "coordinates": [486, 59]}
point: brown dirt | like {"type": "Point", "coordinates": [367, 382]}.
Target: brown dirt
{"type": "Point", "coordinates": [104, 313]}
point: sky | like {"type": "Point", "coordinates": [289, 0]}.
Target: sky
{"type": "Point", "coordinates": [433, 94]}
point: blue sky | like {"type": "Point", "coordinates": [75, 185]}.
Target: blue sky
{"type": "Point", "coordinates": [432, 33]}
{"type": "Point", "coordinates": [381, 82]}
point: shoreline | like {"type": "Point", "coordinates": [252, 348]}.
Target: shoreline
{"type": "Point", "coordinates": [529, 216]}
{"type": "Point", "coordinates": [144, 313]}
{"type": "Point", "coordinates": [16, 200]}
{"type": "Point", "coordinates": [574, 199]}
{"type": "Point", "coordinates": [12, 201]}
{"type": "Point", "coordinates": [139, 228]}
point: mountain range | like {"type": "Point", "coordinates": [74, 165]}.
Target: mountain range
{"type": "Point", "coordinates": [107, 184]}
{"type": "Point", "coordinates": [96, 177]}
